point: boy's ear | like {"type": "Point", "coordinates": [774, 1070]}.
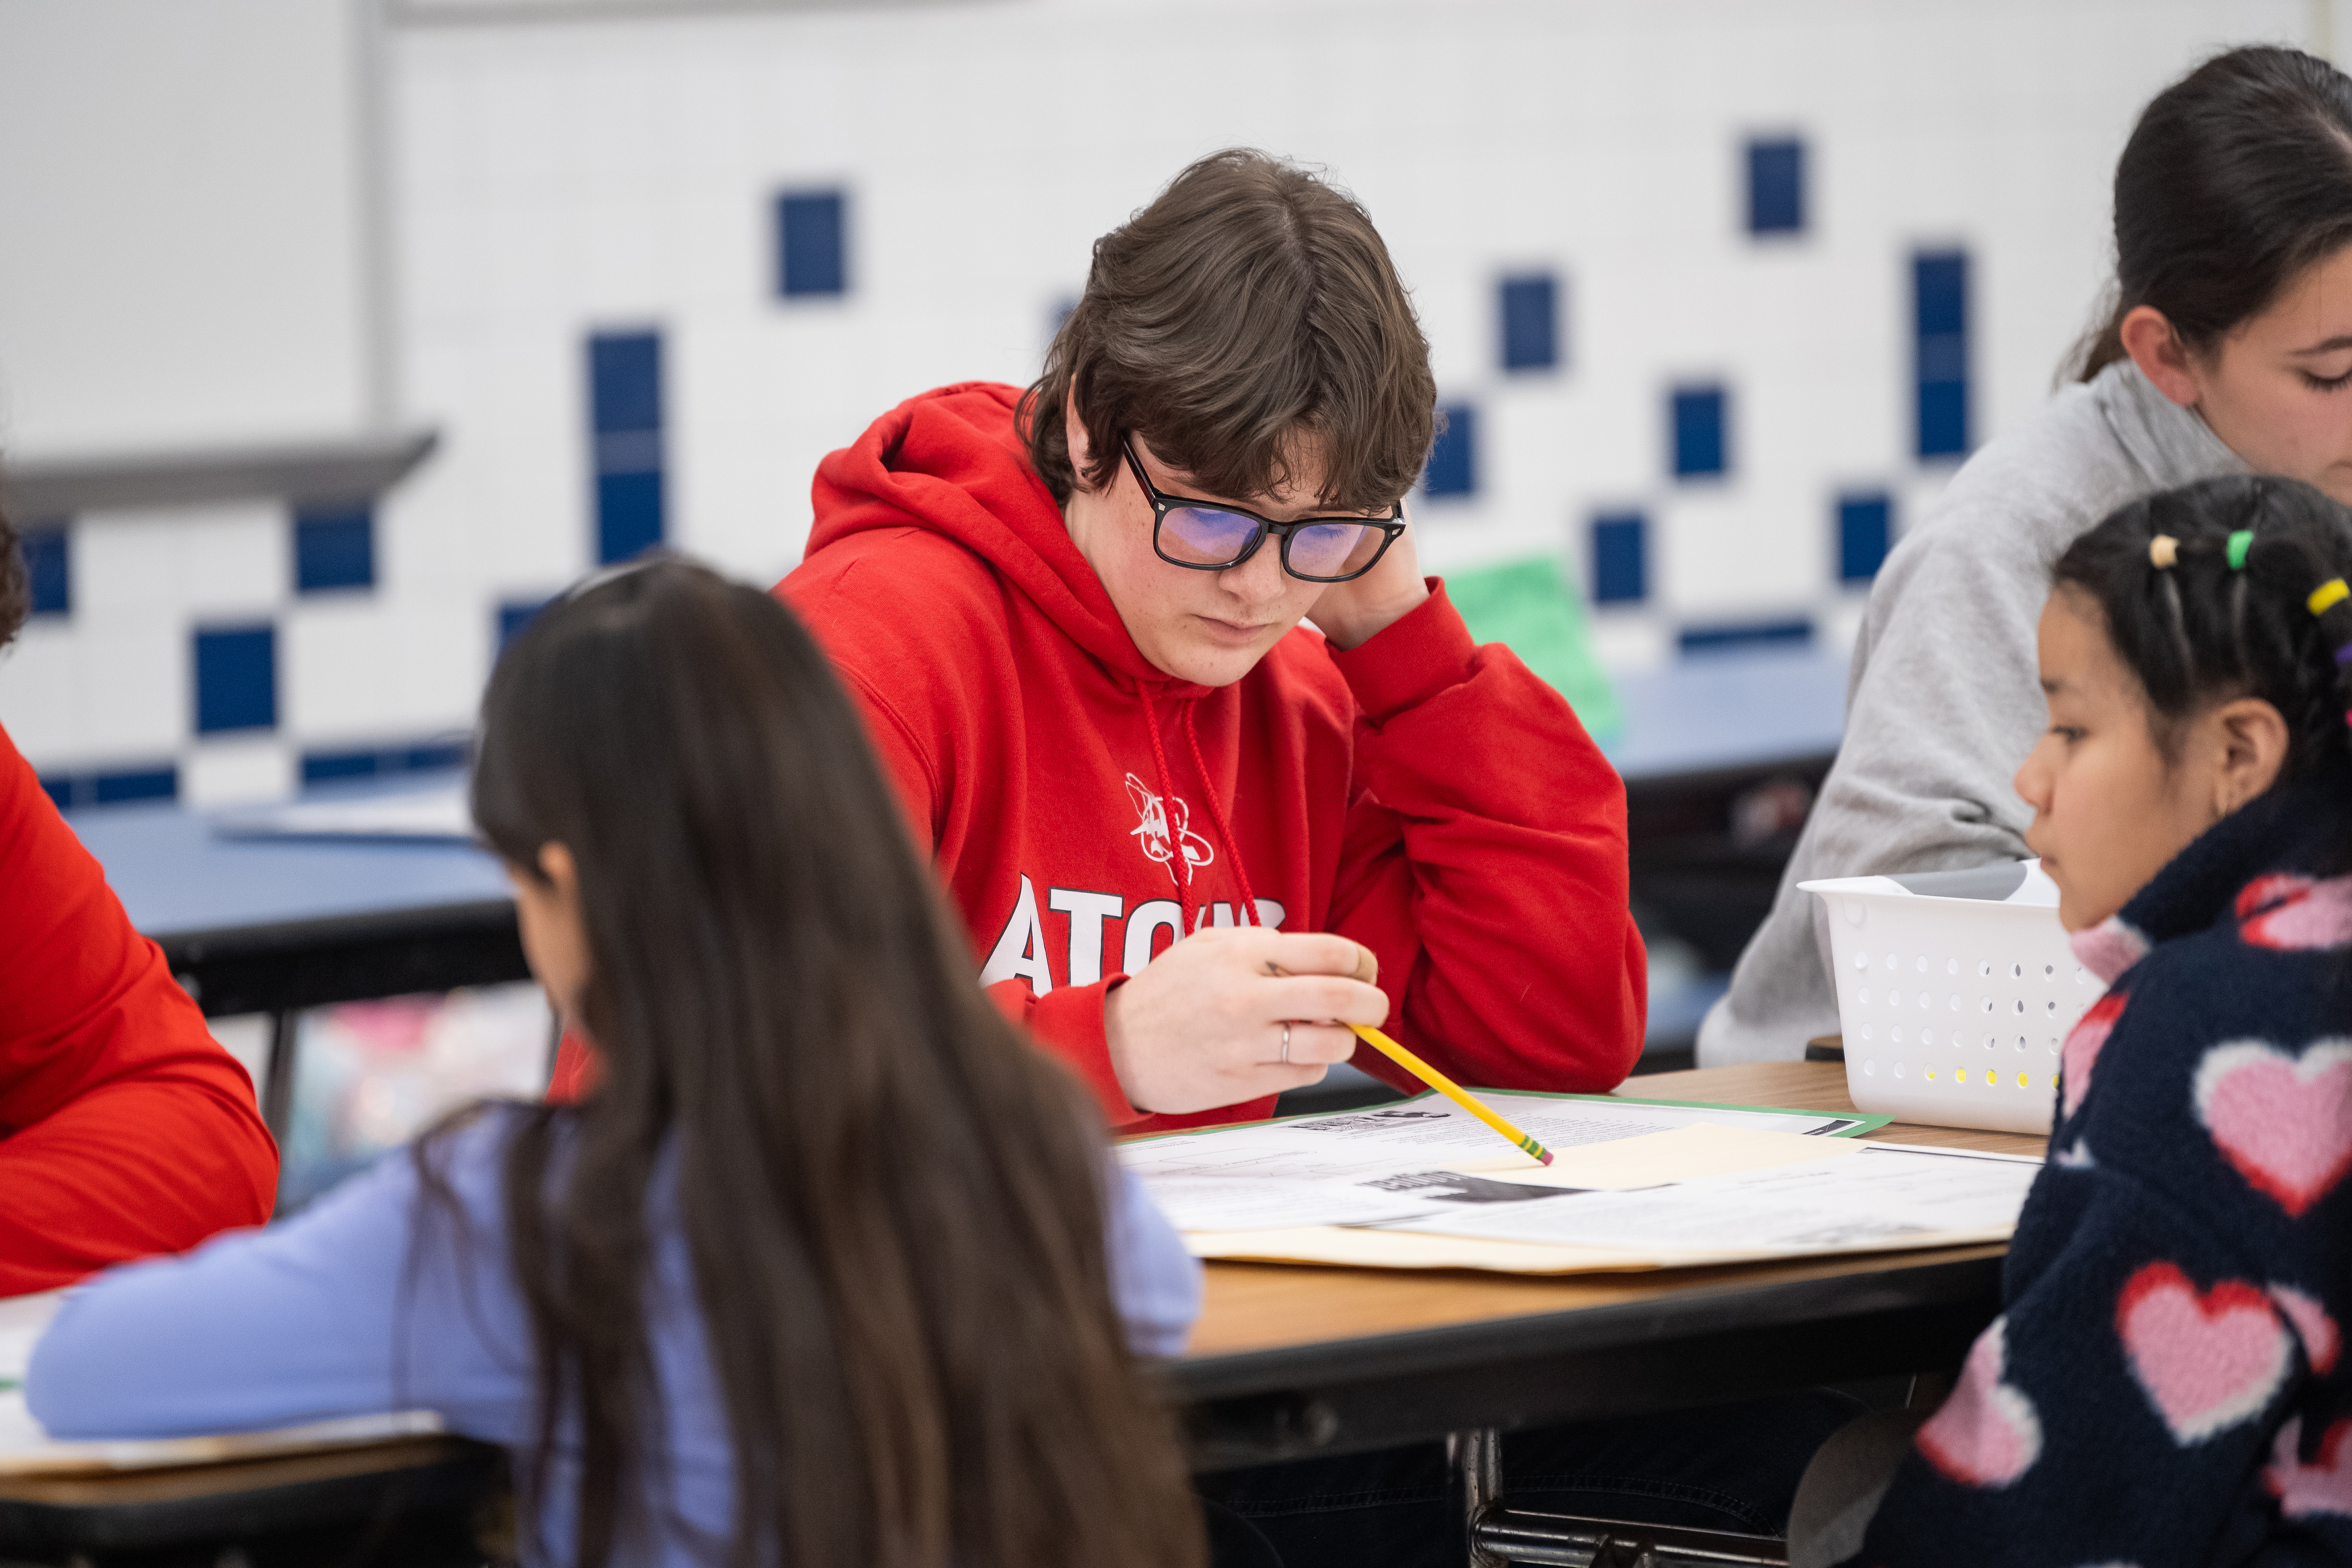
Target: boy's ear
{"type": "Point", "coordinates": [1080, 443]}
{"type": "Point", "coordinates": [2253, 743]}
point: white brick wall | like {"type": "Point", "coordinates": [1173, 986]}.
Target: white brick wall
{"type": "Point", "coordinates": [551, 180]}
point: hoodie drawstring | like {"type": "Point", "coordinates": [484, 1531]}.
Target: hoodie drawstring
{"type": "Point", "coordinates": [1217, 815]}
{"type": "Point", "coordinates": [1249, 914]}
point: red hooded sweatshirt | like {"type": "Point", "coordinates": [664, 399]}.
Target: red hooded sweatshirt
{"type": "Point", "coordinates": [1429, 797]}
{"type": "Point", "coordinates": [124, 1128]}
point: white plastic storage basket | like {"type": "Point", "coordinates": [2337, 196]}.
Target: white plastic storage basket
{"type": "Point", "coordinates": [1955, 989]}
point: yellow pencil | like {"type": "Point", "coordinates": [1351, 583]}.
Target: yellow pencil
{"type": "Point", "coordinates": [1450, 1090]}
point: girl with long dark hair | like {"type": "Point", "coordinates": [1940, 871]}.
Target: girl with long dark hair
{"type": "Point", "coordinates": [2165, 1384]}
{"type": "Point", "coordinates": [2228, 349]}
{"type": "Point", "coordinates": [830, 1267]}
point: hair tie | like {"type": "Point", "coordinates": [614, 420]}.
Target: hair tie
{"type": "Point", "coordinates": [2327, 595]}
{"type": "Point", "coordinates": [2239, 542]}
{"type": "Point", "coordinates": [2162, 552]}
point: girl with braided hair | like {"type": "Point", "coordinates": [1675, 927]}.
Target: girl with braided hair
{"type": "Point", "coordinates": [2165, 1384]}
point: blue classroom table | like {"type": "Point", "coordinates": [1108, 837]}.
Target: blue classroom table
{"type": "Point", "coordinates": [278, 925]}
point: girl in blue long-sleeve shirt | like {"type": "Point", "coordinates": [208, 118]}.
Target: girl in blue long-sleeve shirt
{"type": "Point", "coordinates": [829, 1269]}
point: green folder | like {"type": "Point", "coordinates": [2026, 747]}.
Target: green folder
{"type": "Point", "coordinates": [1530, 608]}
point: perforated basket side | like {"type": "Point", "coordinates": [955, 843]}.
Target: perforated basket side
{"type": "Point", "coordinates": [1953, 1010]}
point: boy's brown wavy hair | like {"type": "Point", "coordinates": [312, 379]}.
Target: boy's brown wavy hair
{"type": "Point", "coordinates": [16, 592]}
{"type": "Point", "coordinates": [1247, 318]}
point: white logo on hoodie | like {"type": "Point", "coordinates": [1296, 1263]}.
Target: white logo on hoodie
{"type": "Point", "coordinates": [1152, 830]}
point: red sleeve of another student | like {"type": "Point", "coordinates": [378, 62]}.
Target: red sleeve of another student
{"type": "Point", "coordinates": [125, 1128]}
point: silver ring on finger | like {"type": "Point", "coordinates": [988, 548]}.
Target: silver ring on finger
{"type": "Point", "coordinates": [1285, 1045]}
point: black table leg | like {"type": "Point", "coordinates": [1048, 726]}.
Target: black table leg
{"type": "Point", "coordinates": [1475, 1465]}
{"type": "Point", "coordinates": [277, 1077]}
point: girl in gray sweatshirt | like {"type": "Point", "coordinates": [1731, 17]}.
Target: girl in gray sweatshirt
{"type": "Point", "coordinates": [2230, 349]}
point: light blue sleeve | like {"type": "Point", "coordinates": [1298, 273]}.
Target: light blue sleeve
{"type": "Point", "coordinates": [1156, 1281]}
{"type": "Point", "coordinates": [317, 1317]}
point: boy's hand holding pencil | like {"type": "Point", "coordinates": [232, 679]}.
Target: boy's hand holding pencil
{"type": "Point", "coordinates": [1367, 970]}
{"type": "Point", "coordinates": [1233, 1015]}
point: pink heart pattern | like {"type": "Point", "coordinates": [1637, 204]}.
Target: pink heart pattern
{"type": "Point", "coordinates": [2283, 1122]}
{"type": "Point", "coordinates": [2206, 1360]}
{"type": "Point", "coordinates": [2296, 914]}
{"type": "Point", "coordinates": [1988, 1433]}
{"type": "Point", "coordinates": [2322, 1487]}
{"type": "Point", "coordinates": [2084, 1043]}
{"type": "Point", "coordinates": [2109, 948]}
{"type": "Point", "coordinates": [2312, 1325]}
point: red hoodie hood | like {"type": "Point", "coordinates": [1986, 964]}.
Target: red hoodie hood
{"type": "Point", "coordinates": [1426, 797]}
{"type": "Point", "coordinates": [951, 460]}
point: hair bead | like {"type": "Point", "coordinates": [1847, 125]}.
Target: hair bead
{"type": "Point", "coordinates": [2163, 551]}
{"type": "Point", "coordinates": [2327, 594]}
{"type": "Point", "coordinates": [2239, 542]}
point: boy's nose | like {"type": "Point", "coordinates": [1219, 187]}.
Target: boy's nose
{"type": "Point", "coordinates": [1259, 579]}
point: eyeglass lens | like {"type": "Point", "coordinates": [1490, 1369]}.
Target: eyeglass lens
{"type": "Point", "coordinates": [1206, 536]}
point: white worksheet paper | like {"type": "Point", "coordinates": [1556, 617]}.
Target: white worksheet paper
{"type": "Point", "coordinates": [440, 813]}
{"type": "Point", "coordinates": [1886, 1195]}
{"type": "Point", "coordinates": [1315, 1170]}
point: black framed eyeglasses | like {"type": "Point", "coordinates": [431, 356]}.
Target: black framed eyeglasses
{"type": "Point", "coordinates": [1209, 536]}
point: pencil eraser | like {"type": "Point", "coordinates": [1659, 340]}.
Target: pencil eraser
{"type": "Point", "coordinates": [1545, 1159]}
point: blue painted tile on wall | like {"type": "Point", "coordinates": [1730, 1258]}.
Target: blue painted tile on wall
{"type": "Point", "coordinates": [334, 549]}
{"type": "Point", "coordinates": [1865, 529]}
{"type": "Point", "coordinates": [812, 243]}
{"type": "Point", "coordinates": [1940, 287]}
{"type": "Point", "coordinates": [373, 761]}
{"type": "Point", "coordinates": [1620, 558]}
{"type": "Point", "coordinates": [1530, 321]}
{"type": "Point", "coordinates": [1452, 467]}
{"type": "Point", "coordinates": [628, 515]}
{"type": "Point", "coordinates": [117, 787]}
{"type": "Point", "coordinates": [515, 615]}
{"type": "Point", "coordinates": [1775, 186]}
{"type": "Point", "coordinates": [48, 563]}
{"type": "Point", "coordinates": [1700, 447]}
{"type": "Point", "coordinates": [137, 783]}
{"type": "Point", "coordinates": [1731, 637]}
{"type": "Point", "coordinates": [624, 382]}
{"type": "Point", "coordinates": [236, 678]}
{"type": "Point", "coordinates": [626, 412]}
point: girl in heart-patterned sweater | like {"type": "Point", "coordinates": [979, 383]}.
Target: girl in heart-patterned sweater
{"type": "Point", "coordinates": [2167, 1383]}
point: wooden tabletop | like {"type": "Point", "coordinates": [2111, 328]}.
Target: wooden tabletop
{"type": "Point", "coordinates": [1253, 1307]}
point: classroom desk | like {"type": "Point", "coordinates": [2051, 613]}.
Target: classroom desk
{"type": "Point", "coordinates": [1291, 1361]}
{"type": "Point", "coordinates": [414, 1502]}
{"type": "Point", "coordinates": [262, 926]}
{"type": "Point", "coordinates": [277, 925]}
{"type": "Point", "coordinates": [1288, 1361]}
{"type": "Point", "coordinates": [1710, 714]}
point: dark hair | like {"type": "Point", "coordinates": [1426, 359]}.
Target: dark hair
{"type": "Point", "coordinates": [894, 1205]}
{"type": "Point", "coordinates": [2237, 177]}
{"type": "Point", "coordinates": [1250, 306]}
{"type": "Point", "coordinates": [2198, 632]}
{"type": "Point", "coordinates": [15, 590]}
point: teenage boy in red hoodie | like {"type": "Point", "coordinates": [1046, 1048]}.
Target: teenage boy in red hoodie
{"type": "Point", "coordinates": [125, 1128]}
{"type": "Point", "coordinates": [1079, 647]}
{"type": "Point", "coordinates": [1073, 617]}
